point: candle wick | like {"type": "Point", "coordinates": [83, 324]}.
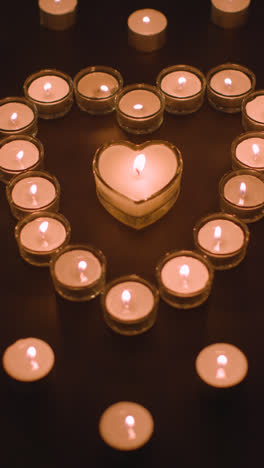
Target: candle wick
{"type": "Point", "coordinates": [184, 273]}
{"type": "Point", "coordinates": [82, 266]}
{"type": "Point", "coordinates": [19, 157]}
{"type": "Point", "coordinates": [33, 191]}
{"type": "Point", "coordinates": [242, 192]}
{"type": "Point", "coordinates": [217, 238]}
{"type": "Point", "coordinates": [182, 81]}
{"type": "Point", "coordinates": [126, 299]}
{"type": "Point", "coordinates": [43, 233]}
{"type": "Point", "coordinates": [13, 118]}
{"type": "Point", "coordinates": [256, 151]}
{"type": "Point", "coordinates": [221, 362]}
{"type": "Point", "coordinates": [228, 82]}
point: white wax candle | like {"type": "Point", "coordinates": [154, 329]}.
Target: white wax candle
{"type": "Point", "coordinates": [251, 152]}
{"type": "Point", "coordinates": [77, 268]}
{"type": "Point", "coordinates": [221, 365]}
{"type": "Point", "coordinates": [139, 103]}
{"type": "Point", "coordinates": [126, 425]}
{"type": "Point", "coordinates": [255, 109]}
{"type": "Point", "coordinates": [43, 234]}
{"type": "Point", "coordinates": [18, 155]}
{"type": "Point", "coordinates": [129, 301]}
{"type": "Point", "coordinates": [184, 275]}
{"type": "Point", "coordinates": [116, 167]}
{"type": "Point", "coordinates": [33, 192]}
{"type": "Point", "coordinates": [48, 88]}
{"type": "Point", "coordinates": [181, 84]}
{"type": "Point", "coordinates": [248, 195]}
{"type": "Point", "coordinates": [15, 115]}
{"type": "Point", "coordinates": [97, 85]}
{"type": "Point", "coordinates": [147, 22]}
{"type": "Point", "coordinates": [28, 360]}
{"type": "Point", "coordinates": [221, 237]}
{"type": "Point", "coordinates": [231, 6]}
{"type": "Point", "coordinates": [230, 82]}
{"type": "Point", "coordinates": [58, 7]}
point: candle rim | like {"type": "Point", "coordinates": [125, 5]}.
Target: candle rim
{"type": "Point", "coordinates": [46, 73]}
{"type": "Point", "coordinates": [25, 102]}
{"type": "Point", "coordinates": [37, 143]}
{"type": "Point", "coordinates": [101, 69]}
{"type": "Point", "coordinates": [235, 67]}
{"type": "Point", "coordinates": [140, 87]}
{"type": "Point", "coordinates": [182, 68]}
{"type": "Point", "coordinates": [239, 140]}
{"type": "Point", "coordinates": [233, 174]}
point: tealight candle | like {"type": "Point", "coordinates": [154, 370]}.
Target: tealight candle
{"type": "Point", "coordinates": [40, 236]}
{"type": "Point", "coordinates": [28, 360]}
{"type": "Point", "coordinates": [95, 89]}
{"type": "Point", "coordinates": [229, 13]}
{"type": "Point", "coordinates": [17, 116]}
{"type": "Point", "coordinates": [222, 238]}
{"type": "Point", "coordinates": [183, 88]}
{"type": "Point", "coordinates": [57, 14]}
{"type": "Point", "coordinates": [78, 272]}
{"type": "Point", "coordinates": [242, 193]}
{"type": "Point", "coordinates": [33, 191]}
{"type": "Point", "coordinates": [147, 30]}
{"type": "Point", "coordinates": [130, 305]}
{"type": "Point", "coordinates": [185, 279]}
{"type": "Point", "coordinates": [248, 151]}
{"type": "Point", "coordinates": [221, 365]}
{"type": "Point", "coordinates": [51, 91]}
{"type": "Point", "coordinates": [139, 108]}
{"type": "Point", "coordinates": [19, 154]}
{"type": "Point", "coordinates": [228, 85]}
{"type": "Point", "coordinates": [253, 111]}
{"type": "Point", "coordinates": [126, 426]}
{"type": "Point", "coordinates": [138, 184]}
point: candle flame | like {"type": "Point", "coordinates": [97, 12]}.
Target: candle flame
{"type": "Point", "coordinates": [217, 233]}
{"type": "Point", "coordinates": [222, 360]}
{"type": "Point", "coordinates": [228, 82]}
{"type": "Point", "coordinates": [57, 1]}
{"type": "Point", "coordinates": [255, 149]}
{"type": "Point", "coordinates": [130, 421]}
{"type": "Point", "coordinates": [14, 117]}
{"type": "Point", "coordinates": [243, 189]}
{"type": "Point", "coordinates": [139, 163]}
{"type": "Point", "coordinates": [31, 352]}
{"type": "Point", "coordinates": [182, 81]}
{"type": "Point", "coordinates": [126, 297]}
{"type": "Point", "coordinates": [82, 265]}
{"type": "Point", "coordinates": [138, 106]}
{"type": "Point", "coordinates": [33, 189]}
{"type": "Point", "coordinates": [184, 271]}
{"type": "Point", "coordinates": [104, 88]}
{"type": "Point", "coordinates": [20, 155]}
{"type": "Point", "coordinates": [43, 227]}
{"type": "Point", "coordinates": [47, 87]}
{"type": "Point", "coordinates": [146, 19]}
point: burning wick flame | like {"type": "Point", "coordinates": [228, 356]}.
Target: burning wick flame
{"type": "Point", "coordinates": [33, 190]}
{"type": "Point", "coordinates": [217, 238]}
{"type": "Point", "coordinates": [43, 229]}
{"type": "Point", "coordinates": [47, 87]}
{"type": "Point", "coordinates": [19, 157]}
{"type": "Point", "coordinates": [31, 354]}
{"type": "Point", "coordinates": [14, 117]}
{"type": "Point", "coordinates": [139, 163]}
{"type": "Point", "coordinates": [242, 191]}
{"type": "Point", "coordinates": [182, 81]}
{"type": "Point", "coordinates": [228, 82]}
{"type": "Point", "coordinates": [146, 19]}
{"type": "Point", "coordinates": [104, 88]}
{"type": "Point", "coordinates": [82, 265]}
{"type": "Point", "coordinates": [138, 106]}
{"type": "Point", "coordinates": [57, 1]}
{"type": "Point", "coordinates": [222, 362]}
{"type": "Point", "coordinates": [184, 273]}
{"type": "Point", "coordinates": [130, 423]}
{"type": "Point", "coordinates": [126, 298]}
{"type": "Point", "coordinates": [256, 150]}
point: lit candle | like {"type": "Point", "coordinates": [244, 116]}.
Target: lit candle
{"type": "Point", "coordinates": [78, 272]}
{"type": "Point", "coordinates": [17, 115]}
{"type": "Point", "coordinates": [130, 305]}
{"type": "Point", "coordinates": [57, 14]}
{"type": "Point", "coordinates": [248, 151]}
{"type": "Point", "coordinates": [137, 183]}
{"type": "Point", "coordinates": [28, 360]}
{"type": "Point", "coordinates": [253, 111]}
{"type": "Point", "coordinates": [221, 365]}
{"type": "Point", "coordinates": [147, 30]}
{"type": "Point", "coordinates": [229, 13]}
{"type": "Point", "coordinates": [126, 425]}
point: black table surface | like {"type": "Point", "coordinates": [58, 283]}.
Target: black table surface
{"type": "Point", "coordinates": [94, 366]}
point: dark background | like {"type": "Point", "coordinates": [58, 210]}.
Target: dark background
{"type": "Point", "coordinates": [95, 367]}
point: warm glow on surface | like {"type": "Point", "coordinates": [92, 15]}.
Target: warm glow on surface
{"type": "Point", "coordinates": [47, 87]}
{"type": "Point", "coordinates": [82, 265]}
{"type": "Point", "coordinates": [139, 163]}
{"type": "Point", "coordinates": [146, 19]}
{"type": "Point", "coordinates": [14, 117]}
{"type": "Point", "coordinates": [255, 149]}
{"type": "Point", "coordinates": [104, 88]}
{"type": "Point", "coordinates": [184, 271]}
{"type": "Point", "coordinates": [126, 297]}
{"type": "Point", "coordinates": [182, 81]}
{"type": "Point", "coordinates": [228, 82]}
{"type": "Point", "coordinates": [222, 360]}
{"type": "Point", "coordinates": [220, 373]}
{"type": "Point", "coordinates": [43, 227]}
{"type": "Point", "coordinates": [33, 189]}
{"type": "Point", "coordinates": [19, 155]}
{"type": "Point", "coordinates": [138, 106]}
{"type": "Point", "coordinates": [31, 352]}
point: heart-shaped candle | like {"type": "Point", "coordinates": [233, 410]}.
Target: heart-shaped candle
{"type": "Point", "coordinates": [138, 184]}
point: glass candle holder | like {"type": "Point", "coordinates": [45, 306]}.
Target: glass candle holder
{"type": "Point", "coordinates": [147, 30]}
{"type": "Point", "coordinates": [78, 272]}
{"type": "Point", "coordinates": [185, 278]}
{"type": "Point", "coordinates": [138, 184]}
{"type": "Point", "coordinates": [130, 305]}
{"type": "Point", "coordinates": [95, 89]}
{"type": "Point", "coordinates": [183, 88]}
{"type": "Point", "coordinates": [228, 85]}
{"type": "Point", "coordinates": [58, 15]}
{"type": "Point", "coordinates": [31, 192]}
{"type": "Point", "coordinates": [253, 111]}
{"type": "Point", "coordinates": [18, 116]}
{"type": "Point", "coordinates": [139, 108]}
{"type": "Point", "coordinates": [248, 151]}
{"type": "Point", "coordinates": [40, 236]}
{"type": "Point", "coordinates": [19, 154]}
{"type": "Point", "coordinates": [222, 238]}
{"type": "Point", "coordinates": [51, 91]}
{"type": "Point", "coordinates": [242, 194]}
{"type": "Point", "coordinates": [228, 14]}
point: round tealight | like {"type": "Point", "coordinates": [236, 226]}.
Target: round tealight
{"type": "Point", "coordinates": [15, 116]}
{"type": "Point", "coordinates": [197, 278]}
{"type": "Point", "coordinates": [140, 305]}
{"type": "Point", "coordinates": [139, 103]}
{"type": "Point", "coordinates": [28, 360]}
{"type": "Point", "coordinates": [22, 196]}
{"type": "Point", "coordinates": [232, 237]}
{"type": "Point", "coordinates": [77, 268]}
{"type": "Point", "coordinates": [255, 108]}
{"type": "Point", "coordinates": [245, 152]}
{"type": "Point", "coordinates": [221, 365]}
{"type": "Point", "coordinates": [231, 6]}
{"type": "Point", "coordinates": [58, 88]}
{"type": "Point", "coordinates": [18, 155]}
{"type": "Point", "coordinates": [54, 7]}
{"type": "Point", "coordinates": [181, 84]}
{"type": "Point", "coordinates": [126, 425]}
{"type": "Point", "coordinates": [97, 85]}
{"type": "Point", "coordinates": [254, 193]}
{"type": "Point", "coordinates": [239, 82]}
{"type": "Point", "coordinates": [33, 239]}
{"type": "Point", "coordinates": [147, 22]}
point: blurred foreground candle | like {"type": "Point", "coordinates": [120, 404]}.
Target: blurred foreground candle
{"type": "Point", "coordinates": [19, 154]}
{"type": "Point", "coordinates": [33, 191]}
{"type": "Point", "coordinates": [147, 30]}
{"type": "Point", "coordinates": [185, 278]}
{"type": "Point", "coordinates": [248, 151]}
{"type": "Point", "coordinates": [40, 236]}
{"type": "Point", "coordinates": [51, 91]}
{"type": "Point", "coordinates": [95, 89]}
{"type": "Point", "coordinates": [183, 88]}
{"type": "Point", "coordinates": [221, 365]}
{"type": "Point", "coordinates": [126, 426]}
{"type": "Point", "coordinates": [228, 85]}
{"type": "Point", "coordinates": [130, 305]}
{"type": "Point", "coordinates": [140, 108]}
{"type": "Point", "coordinates": [222, 238]}
{"type": "Point", "coordinates": [138, 184]}
{"type": "Point", "coordinates": [18, 116]}
{"type": "Point", "coordinates": [242, 194]}
{"type": "Point", "coordinates": [78, 272]}
{"type": "Point", "coordinates": [57, 14]}
{"type": "Point", "coordinates": [253, 111]}
{"type": "Point", "coordinates": [229, 13]}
